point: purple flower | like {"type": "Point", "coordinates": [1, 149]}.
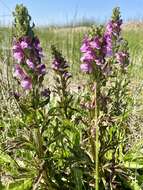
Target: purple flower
{"type": "Point", "coordinates": [16, 47]}
{"type": "Point", "coordinates": [41, 69]}
{"type": "Point", "coordinates": [26, 83]}
{"type": "Point", "coordinates": [109, 27]}
{"type": "Point", "coordinates": [121, 57]}
{"type": "Point", "coordinates": [30, 64]}
{"type": "Point", "coordinates": [99, 61]}
{"type": "Point", "coordinates": [55, 65]}
{"type": "Point", "coordinates": [86, 45]}
{"type": "Point", "coordinates": [95, 43]}
{"type": "Point", "coordinates": [86, 68]}
{"type": "Point", "coordinates": [107, 38]}
{"type": "Point", "coordinates": [107, 49]}
{"type": "Point", "coordinates": [108, 44]}
{"type": "Point", "coordinates": [36, 43]}
{"type": "Point", "coordinates": [113, 27]}
{"type": "Point", "coordinates": [94, 52]}
{"type": "Point", "coordinates": [19, 72]}
{"type": "Point", "coordinates": [46, 92]}
{"type": "Point", "coordinates": [84, 48]}
{"type": "Point", "coordinates": [67, 75]}
{"type": "Point", "coordinates": [24, 44]}
{"type": "Point", "coordinates": [18, 56]}
{"type": "Point", "coordinates": [87, 57]}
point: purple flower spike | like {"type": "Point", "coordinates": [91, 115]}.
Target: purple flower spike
{"type": "Point", "coordinates": [86, 68]}
{"type": "Point", "coordinates": [29, 60]}
{"type": "Point", "coordinates": [26, 83]}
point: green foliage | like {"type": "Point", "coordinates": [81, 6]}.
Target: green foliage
{"type": "Point", "coordinates": [20, 185]}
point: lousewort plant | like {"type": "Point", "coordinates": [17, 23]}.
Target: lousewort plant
{"type": "Point", "coordinates": [105, 58]}
{"type": "Point", "coordinates": [27, 52]}
{"type": "Point", "coordinates": [29, 72]}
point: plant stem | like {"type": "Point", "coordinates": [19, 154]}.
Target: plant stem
{"type": "Point", "coordinates": [96, 138]}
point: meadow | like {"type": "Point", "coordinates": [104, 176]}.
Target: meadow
{"type": "Point", "coordinates": [48, 143]}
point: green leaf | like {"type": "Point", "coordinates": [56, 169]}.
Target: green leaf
{"type": "Point", "coordinates": [134, 186]}
{"type": "Point", "coordinates": [133, 165]}
{"type": "Point", "coordinates": [78, 178]}
{"type": "Point", "coordinates": [21, 185]}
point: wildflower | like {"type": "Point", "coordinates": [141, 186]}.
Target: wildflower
{"type": "Point", "coordinates": [19, 72]}
{"type": "Point", "coordinates": [86, 45]}
{"type": "Point", "coordinates": [95, 43]}
{"type": "Point", "coordinates": [113, 27]}
{"type": "Point", "coordinates": [18, 56]}
{"type": "Point", "coordinates": [108, 44]}
{"type": "Point", "coordinates": [30, 64]}
{"type": "Point", "coordinates": [26, 83]}
{"type": "Point", "coordinates": [41, 69]}
{"type": "Point", "coordinates": [87, 57]}
{"type": "Point", "coordinates": [55, 65]}
{"type": "Point", "coordinates": [24, 45]}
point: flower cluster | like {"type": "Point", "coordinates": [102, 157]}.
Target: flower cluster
{"type": "Point", "coordinates": [93, 50]}
{"type": "Point", "coordinates": [112, 33]}
{"type": "Point", "coordinates": [122, 58]}
{"type": "Point", "coordinates": [59, 64]}
{"type": "Point", "coordinates": [28, 53]}
{"type": "Point", "coordinates": [102, 45]}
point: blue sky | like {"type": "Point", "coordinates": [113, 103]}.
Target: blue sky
{"type": "Point", "coordinates": [63, 11]}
